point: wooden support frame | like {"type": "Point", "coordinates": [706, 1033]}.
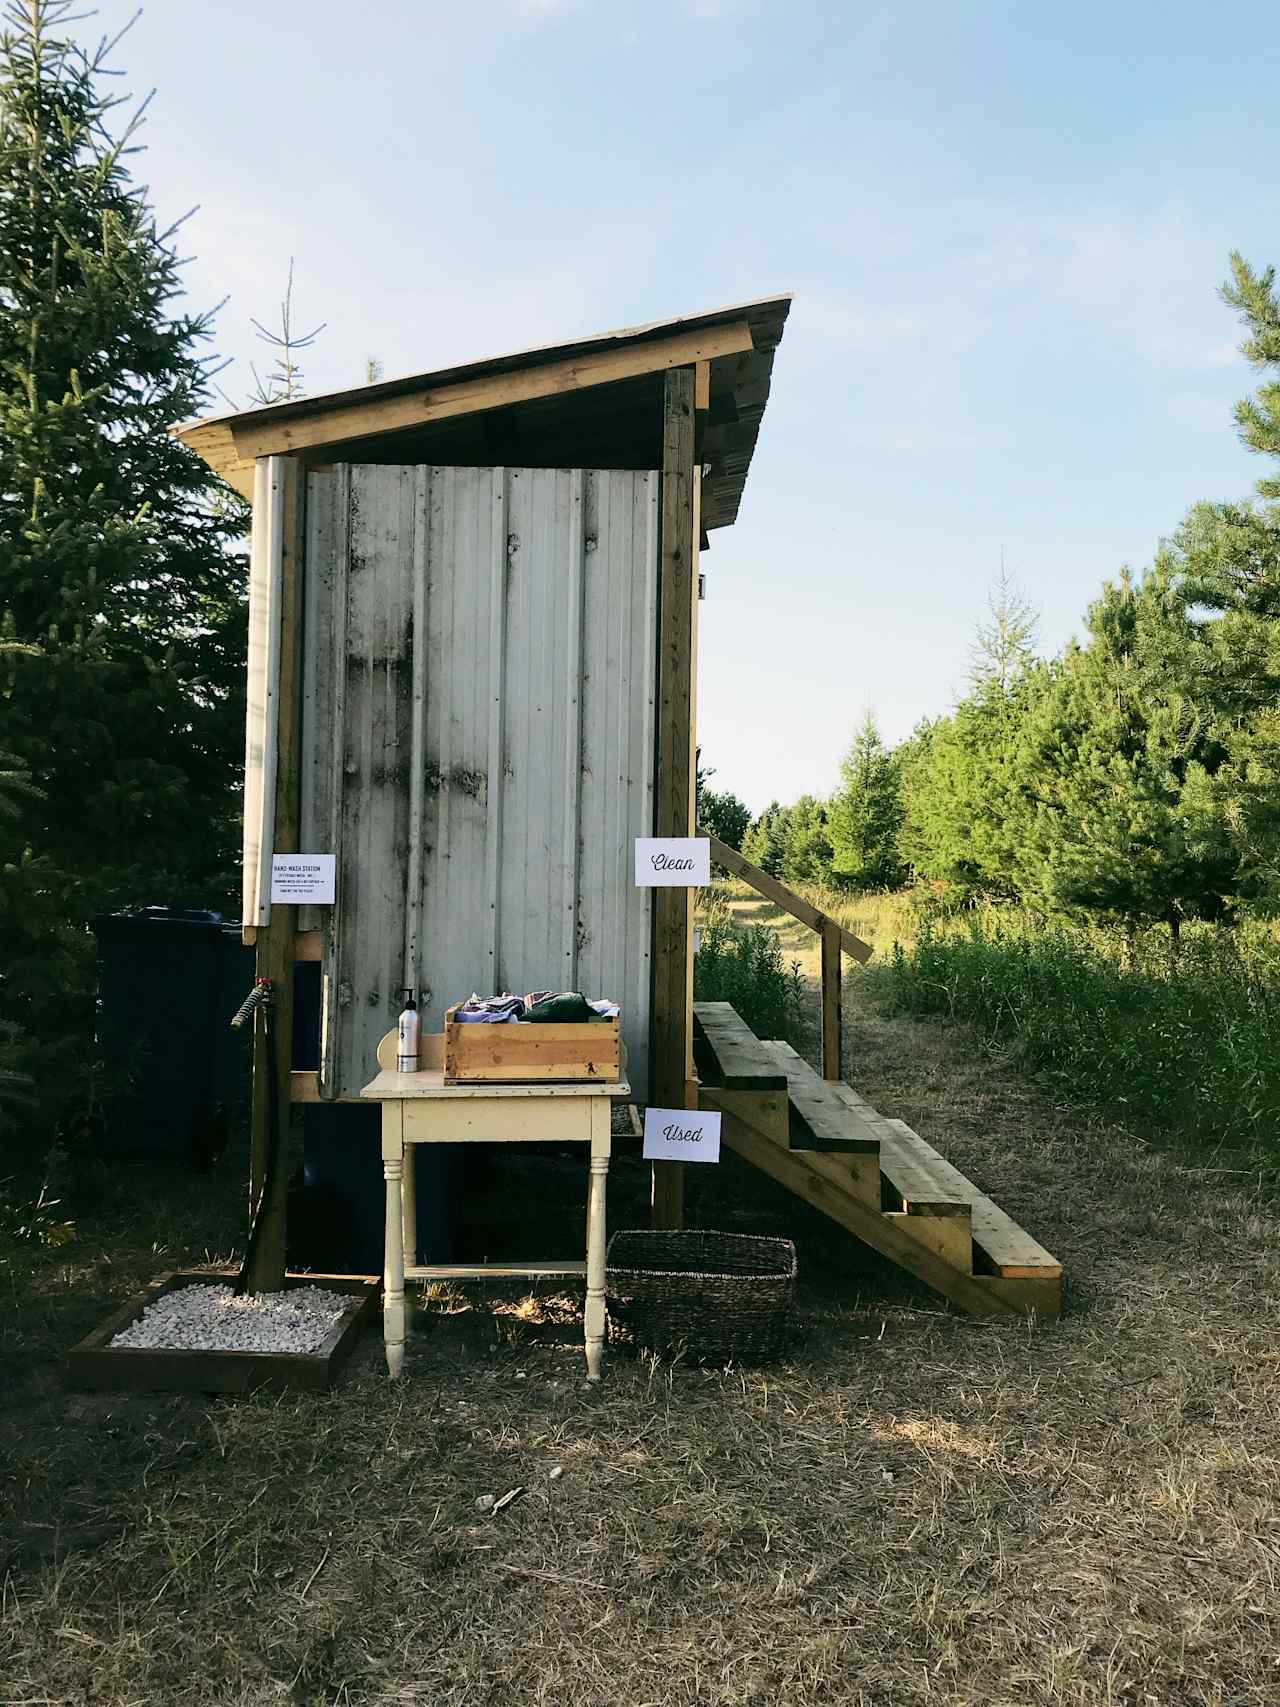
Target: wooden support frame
{"type": "Point", "coordinates": [671, 1071]}
{"type": "Point", "coordinates": [785, 898]}
{"type": "Point", "coordinates": [832, 1014]}
{"type": "Point", "coordinates": [275, 943]}
{"type": "Point", "coordinates": [230, 447]}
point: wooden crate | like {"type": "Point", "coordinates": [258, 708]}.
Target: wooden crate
{"type": "Point", "coordinates": [522, 1053]}
{"type": "Point", "coordinates": [97, 1364]}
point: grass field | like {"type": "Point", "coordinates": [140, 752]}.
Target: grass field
{"type": "Point", "coordinates": [916, 1508]}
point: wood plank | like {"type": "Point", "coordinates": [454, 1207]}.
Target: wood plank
{"type": "Point", "coordinates": [947, 1236]}
{"type": "Point", "coordinates": [265, 437]}
{"type": "Point", "coordinates": [908, 1163]}
{"type": "Point", "coordinates": [833, 1124]}
{"type": "Point", "coordinates": [783, 897]}
{"type": "Point", "coordinates": [1014, 1254]}
{"type": "Point", "coordinates": [308, 945]}
{"type": "Point", "coordinates": [769, 1112]}
{"type": "Point", "coordinates": [817, 1179]}
{"type": "Point", "coordinates": [672, 1018]}
{"type": "Point", "coordinates": [741, 1061]}
{"type": "Point", "coordinates": [1041, 1296]}
{"type": "Point", "coordinates": [272, 1073]}
{"type": "Point", "coordinates": [491, 1270]}
{"type": "Point", "coordinates": [832, 1016]}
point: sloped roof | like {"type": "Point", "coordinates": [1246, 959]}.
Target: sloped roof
{"type": "Point", "coordinates": [593, 403]}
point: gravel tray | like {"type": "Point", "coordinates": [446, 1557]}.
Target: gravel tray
{"type": "Point", "coordinates": [140, 1347]}
{"type": "Point", "coordinates": [214, 1318]}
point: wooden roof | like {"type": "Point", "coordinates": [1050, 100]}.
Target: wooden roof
{"type": "Point", "coordinates": [594, 403]}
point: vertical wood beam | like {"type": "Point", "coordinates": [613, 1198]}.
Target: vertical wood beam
{"type": "Point", "coordinates": [674, 781]}
{"type": "Point", "coordinates": [832, 996]}
{"type": "Point", "coordinates": [275, 940]}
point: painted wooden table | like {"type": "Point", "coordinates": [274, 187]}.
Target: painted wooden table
{"type": "Point", "coordinates": [419, 1108]}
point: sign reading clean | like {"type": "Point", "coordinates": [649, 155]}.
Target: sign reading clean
{"type": "Point", "coordinates": [301, 878]}
{"type": "Point", "coordinates": [681, 1135]}
{"type": "Point", "coordinates": [672, 862]}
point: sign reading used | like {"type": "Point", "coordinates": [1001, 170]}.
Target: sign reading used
{"type": "Point", "coordinates": [301, 878]}
{"type": "Point", "coordinates": [681, 1135]}
{"type": "Point", "coordinates": [672, 862]}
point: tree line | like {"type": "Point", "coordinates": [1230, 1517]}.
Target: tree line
{"type": "Point", "coordinates": [1134, 778]}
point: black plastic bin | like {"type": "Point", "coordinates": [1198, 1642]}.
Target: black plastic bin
{"type": "Point", "coordinates": [169, 979]}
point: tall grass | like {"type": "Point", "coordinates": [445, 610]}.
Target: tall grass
{"type": "Point", "coordinates": [1191, 1045]}
{"type": "Point", "coordinates": [745, 966]}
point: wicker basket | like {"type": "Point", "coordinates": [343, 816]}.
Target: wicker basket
{"type": "Point", "coordinates": [722, 1297]}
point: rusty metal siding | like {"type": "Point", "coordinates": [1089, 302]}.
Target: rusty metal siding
{"type": "Point", "coordinates": [478, 738]}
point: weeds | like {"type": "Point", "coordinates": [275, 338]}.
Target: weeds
{"type": "Point", "coordinates": [746, 967]}
{"type": "Point", "coordinates": [1187, 1045]}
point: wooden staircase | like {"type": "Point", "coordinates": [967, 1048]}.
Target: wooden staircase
{"type": "Point", "coordinates": [876, 1177]}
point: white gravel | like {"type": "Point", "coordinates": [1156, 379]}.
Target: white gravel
{"type": "Point", "coordinates": [212, 1318]}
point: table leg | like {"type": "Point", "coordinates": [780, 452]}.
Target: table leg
{"type": "Point", "coordinates": [393, 1254]}
{"type": "Point", "coordinates": [593, 1314]}
{"type": "Point", "coordinates": [409, 1199]}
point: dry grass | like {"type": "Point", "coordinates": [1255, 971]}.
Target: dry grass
{"type": "Point", "coordinates": [917, 1509]}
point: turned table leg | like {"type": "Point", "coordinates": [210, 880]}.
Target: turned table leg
{"type": "Point", "coordinates": [593, 1315]}
{"type": "Point", "coordinates": [393, 1254]}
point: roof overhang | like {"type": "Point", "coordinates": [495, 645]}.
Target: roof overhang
{"type": "Point", "coordinates": [594, 403]}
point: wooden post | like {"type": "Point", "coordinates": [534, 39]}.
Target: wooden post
{"type": "Point", "coordinates": [275, 941]}
{"type": "Point", "coordinates": [832, 1065]}
{"type": "Point", "coordinates": [672, 1020]}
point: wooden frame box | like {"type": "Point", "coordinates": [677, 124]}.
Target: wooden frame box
{"type": "Point", "coordinates": [518, 1052]}
{"type": "Point", "coordinates": [95, 1363]}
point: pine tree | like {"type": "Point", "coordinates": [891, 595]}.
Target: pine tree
{"type": "Point", "coordinates": [116, 580]}
{"type": "Point", "coordinates": [866, 813]}
{"type": "Point", "coordinates": [1254, 295]}
{"type": "Point", "coordinates": [727, 817]}
{"type": "Point", "coordinates": [806, 842]}
{"type": "Point", "coordinates": [120, 602]}
{"type": "Point", "coordinates": [1114, 766]}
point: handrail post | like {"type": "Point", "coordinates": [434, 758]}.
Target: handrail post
{"type": "Point", "coordinates": [832, 1018]}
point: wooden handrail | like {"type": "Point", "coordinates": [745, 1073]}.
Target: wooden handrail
{"type": "Point", "coordinates": [785, 898]}
{"type": "Point", "coordinates": [832, 935]}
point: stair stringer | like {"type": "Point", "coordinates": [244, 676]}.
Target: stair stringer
{"type": "Point", "coordinates": [819, 1180]}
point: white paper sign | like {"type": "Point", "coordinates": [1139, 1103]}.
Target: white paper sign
{"type": "Point", "coordinates": [299, 878]}
{"type": "Point", "coordinates": [672, 862]}
{"type": "Point", "coordinates": [681, 1135]}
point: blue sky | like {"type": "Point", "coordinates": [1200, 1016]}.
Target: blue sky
{"type": "Point", "coordinates": [1004, 225]}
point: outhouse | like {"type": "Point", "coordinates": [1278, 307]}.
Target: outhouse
{"type": "Point", "coordinates": [472, 676]}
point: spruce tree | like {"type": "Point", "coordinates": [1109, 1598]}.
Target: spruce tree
{"type": "Point", "coordinates": [806, 842]}
{"type": "Point", "coordinates": [865, 814]}
{"type": "Point", "coordinates": [765, 843]}
{"type": "Point", "coordinates": [120, 599]}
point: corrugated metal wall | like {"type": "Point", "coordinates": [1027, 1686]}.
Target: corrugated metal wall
{"type": "Point", "coordinates": [478, 739]}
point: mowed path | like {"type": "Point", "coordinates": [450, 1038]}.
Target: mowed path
{"type": "Point", "coordinates": [918, 1508]}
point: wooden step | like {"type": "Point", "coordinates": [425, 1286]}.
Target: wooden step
{"type": "Point", "coordinates": [914, 1179]}
{"type": "Point", "coordinates": [729, 1054]}
{"type": "Point", "coordinates": [823, 1181]}
{"type": "Point", "coordinates": [874, 1176]}
{"type": "Point", "coordinates": [818, 1122]}
{"type": "Point", "coordinates": [1004, 1248]}
{"type": "Point", "coordinates": [821, 1119]}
